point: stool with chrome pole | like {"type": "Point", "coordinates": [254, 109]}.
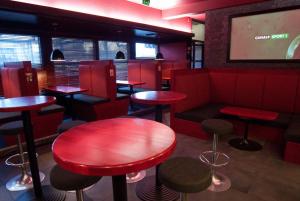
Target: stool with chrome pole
{"type": "Point", "coordinates": [213, 158]}
{"type": "Point", "coordinates": [22, 181]}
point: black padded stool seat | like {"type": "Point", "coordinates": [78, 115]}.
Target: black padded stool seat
{"type": "Point", "coordinates": [217, 126]}
{"type": "Point", "coordinates": [11, 128]}
{"type": "Point", "coordinates": [186, 175]}
{"type": "Point", "coordinates": [66, 125]}
{"type": "Point", "coordinates": [68, 181]}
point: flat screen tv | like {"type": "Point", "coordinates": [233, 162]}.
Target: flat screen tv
{"type": "Point", "coordinates": [267, 36]}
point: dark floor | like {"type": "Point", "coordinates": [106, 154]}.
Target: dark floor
{"type": "Point", "coordinates": [255, 176]}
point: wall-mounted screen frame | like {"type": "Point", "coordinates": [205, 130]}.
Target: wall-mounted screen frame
{"type": "Point", "coordinates": [289, 42]}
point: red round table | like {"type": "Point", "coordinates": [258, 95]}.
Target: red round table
{"type": "Point", "coordinates": [25, 105]}
{"type": "Point", "coordinates": [114, 147]}
{"type": "Point", "coordinates": [150, 188]}
{"type": "Point", "coordinates": [158, 98]}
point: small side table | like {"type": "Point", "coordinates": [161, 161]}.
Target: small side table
{"type": "Point", "coordinates": [151, 189]}
{"type": "Point", "coordinates": [246, 114]}
{"type": "Point", "coordinates": [25, 105]}
{"type": "Point", "coordinates": [66, 90]}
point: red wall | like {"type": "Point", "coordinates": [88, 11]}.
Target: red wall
{"type": "Point", "coordinates": [174, 51]}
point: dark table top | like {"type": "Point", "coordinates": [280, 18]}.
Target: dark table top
{"type": "Point", "coordinates": [25, 103]}
{"type": "Point", "coordinates": [250, 113]}
{"type": "Point", "coordinates": [114, 146]}
{"type": "Point", "coordinates": [157, 97]}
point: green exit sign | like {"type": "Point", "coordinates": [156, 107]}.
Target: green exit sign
{"type": "Point", "coordinates": [146, 2]}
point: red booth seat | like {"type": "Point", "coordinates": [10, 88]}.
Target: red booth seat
{"type": "Point", "coordinates": [148, 72]}
{"type": "Point", "coordinates": [168, 65]}
{"type": "Point", "coordinates": [209, 90]}
{"type": "Point", "coordinates": [20, 79]}
{"type": "Point", "coordinates": [101, 100]}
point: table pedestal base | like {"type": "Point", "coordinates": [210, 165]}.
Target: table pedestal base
{"type": "Point", "coordinates": [247, 145]}
{"type": "Point", "coordinates": [147, 190]}
{"type": "Point", "coordinates": [49, 194]}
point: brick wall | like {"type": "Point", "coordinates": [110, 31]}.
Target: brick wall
{"type": "Point", "coordinates": [217, 33]}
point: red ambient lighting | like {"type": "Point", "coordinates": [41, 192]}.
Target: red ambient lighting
{"type": "Point", "coordinates": [117, 9]}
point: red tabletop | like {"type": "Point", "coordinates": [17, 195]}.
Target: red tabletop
{"type": "Point", "coordinates": [114, 146]}
{"type": "Point", "coordinates": [166, 78]}
{"type": "Point", "coordinates": [250, 113]}
{"type": "Point", "coordinates": [157, 97]}
{"type": "Point", "coordinates": [65, 89]}
{"type": "Point", "coordinates": [25, 103]}
{"type": "Point", "coordinates": [128, 82]}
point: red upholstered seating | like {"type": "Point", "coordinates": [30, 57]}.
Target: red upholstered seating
{"type": "Point", "coordinates": [20, 79]}
{"type": "Point", "coordinates": [143, 71]}
{"type": "Point", "coordinates": [266, 89]}
{"type": "Point", "coordinates": [101, 100]}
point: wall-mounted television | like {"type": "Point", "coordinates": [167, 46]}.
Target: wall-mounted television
{"type": "Point", "coordinates": [271, 36]}
{"type": "Point", "coordinates": [145, 51]}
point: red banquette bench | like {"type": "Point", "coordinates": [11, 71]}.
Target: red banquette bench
{"type": "Point", "coordinates": [20, 79]}
{"type": "Point", "coordinates": [208, 90]}
{"type": "Point", "coordinates": [101, 101]}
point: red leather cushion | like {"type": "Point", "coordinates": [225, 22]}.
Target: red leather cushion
{"type": "Point", "coordinates": [11, 82]}
{"type": "Point", "coordinates": [166, 68]}
{"type": "Point", "coordinates": [249, 90]}
{"type": "Point", "coordinates": [280, 92]}
{"type": "Point", "coordinates": [223, 86]}
{"type": "Point", "coordinates": [99, 75]}
{"type": "Point", "coordinates": [149, 75]}
{"type": "Point", "coordinates": [134, 71]}
{"type": "Point", "coordinates": [85, 79]}
{"type": "Point", "coordinates": [195, 84]}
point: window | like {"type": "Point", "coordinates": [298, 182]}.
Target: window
{"type": "Point", "coordinates": [15, 47]}
{"type": "Point", "coordinates": [145, 51]}
{"type": "Point", "coordinates": [109, 49]}
{"type": "Point", "coordinates": [74, 50]}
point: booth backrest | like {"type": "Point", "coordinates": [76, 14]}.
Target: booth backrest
{"type": "Point", "coordinates": [134, 71]}
{"type": "Point", "coordinates": [166, 68]}
{"type": "Point", "coordinates": [145, 71]}
{"type": "Point", "coordinates": [99, 77]}
{"type": "Point", "coordinates": [269, 89]}
{"type": "Point", "coordinates": [151, 75]}
{"type": "Point", "coordinates": [19, 79]}
{"type": "Point", "coordinates": [195, 84]}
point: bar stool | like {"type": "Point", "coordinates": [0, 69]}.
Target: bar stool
{"type": "Point", "coordinates": [68, 181]}
{"type": "Point", "coordinates": [184, 175]}
{"type": "Point", "coordinates": [213, 158]}
{"type": "Point", "coordinates": [66, 125]}
{"type": "Point", "coordinates": [22, 181]}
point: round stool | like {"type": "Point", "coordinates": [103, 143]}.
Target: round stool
{"type": "Point", "coordinates": [213, 158]}
{"type": "Point", "coordinates": [22, 181]}
{"type": "Point", "coordinates": [67, 181]}
{"type": "Point", "coordinates": [184, 175]}
{"type": "Point", "coordinates": [66, 125]}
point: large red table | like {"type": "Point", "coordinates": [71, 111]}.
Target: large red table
{"type": "Point", "coordinates": [248, 114]}
{"type": "Point", "coordinates": [114, 147]}
{"type": "Point", "coordinates": [25, 105]}
{"type": "Point", "coordinates": [66, 90]}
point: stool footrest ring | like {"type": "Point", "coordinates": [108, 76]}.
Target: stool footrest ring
{"type": "Point", "coordinates": [15, 160]}
{"type": "Point", "coordinates": [221, 159]}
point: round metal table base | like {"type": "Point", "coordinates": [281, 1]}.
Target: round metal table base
{"type": "Point", "coordinates": [147, 190]}
{"type": "Point", "coordinates": [135, 176]}
{"type": "Point", "coordinates": [20, 182]}
{"type": "Point", "coordinates": [246, 145]}
{"type": "Point", "coordinates": [220, 183]}
{"type": "Point", "coordinates": [49, 194]}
